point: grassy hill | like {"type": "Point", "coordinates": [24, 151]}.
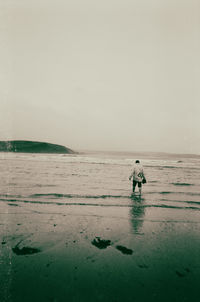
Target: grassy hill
{"type": "Point", "coordinates": [33, 147]}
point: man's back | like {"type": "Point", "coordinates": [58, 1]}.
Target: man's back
{"type": "Point", "coordinates": [138, 172]}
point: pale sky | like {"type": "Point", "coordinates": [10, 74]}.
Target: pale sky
{"type": "Point", "coordinates": [101, 75]}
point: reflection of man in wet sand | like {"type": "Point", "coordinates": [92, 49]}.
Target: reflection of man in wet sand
{"type": "Point", "coordinates": [137, 213]}
{"type": "Point", "coordinates": [138, 176]}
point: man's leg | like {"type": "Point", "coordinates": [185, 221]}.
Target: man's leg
{"type": "Point", "coordinates": [134, 185]}
{"type": "Point", "coordinates": [140, 187]}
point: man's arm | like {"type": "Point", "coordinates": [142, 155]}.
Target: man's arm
{"type": "Point", "coordinates": [131, 174]}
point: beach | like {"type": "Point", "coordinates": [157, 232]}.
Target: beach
{"type": "Point", "coordinates": [71, 231]}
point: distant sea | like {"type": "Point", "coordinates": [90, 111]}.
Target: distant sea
{"type": "Point", "coordinates": [99, 178]}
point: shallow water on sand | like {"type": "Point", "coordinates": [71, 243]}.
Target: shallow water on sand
{"type": "Point", "coordinates": [71, 220]}
{"type": "Point", "coordinates": [98, 178]}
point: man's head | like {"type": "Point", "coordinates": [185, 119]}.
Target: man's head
{"type": "Point", "coordinates": [137, 161]}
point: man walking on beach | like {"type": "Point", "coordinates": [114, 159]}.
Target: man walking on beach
{"type": "Point", "coordinates": [138, 176]}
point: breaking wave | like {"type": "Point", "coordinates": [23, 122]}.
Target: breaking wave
{"type": "Point", "coordinates": [181, 184]}
{"type": "Point", "coordinates": [59, 195]}
{"type": "Point", "coordinates": [99, 205]}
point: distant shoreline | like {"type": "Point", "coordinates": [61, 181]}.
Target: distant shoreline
{"type": "Point", "coordinates": [25, 146]}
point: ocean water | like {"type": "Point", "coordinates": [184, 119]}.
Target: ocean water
{"type": "Point", "coordinates": [99, 178]}
{"type": "Point", "coordinates": [60, 205]}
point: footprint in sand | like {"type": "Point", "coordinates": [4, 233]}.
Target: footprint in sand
{"type": "Point", "coordinates": [142, 266]}
{"type": "Point", "coordinates": [180, 274]}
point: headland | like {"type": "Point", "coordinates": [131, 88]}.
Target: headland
{"type": "Point", "coordinates": [25, 146]}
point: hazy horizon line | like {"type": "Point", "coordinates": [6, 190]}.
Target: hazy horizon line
{"type": "Point", "coordinates": [104, 150]}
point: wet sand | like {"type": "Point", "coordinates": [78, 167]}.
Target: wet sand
{"type": "Point", "coordinates": [90, 253]}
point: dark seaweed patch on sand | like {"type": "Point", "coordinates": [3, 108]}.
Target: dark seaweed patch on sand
{"type": "Point", "coordinates": [124, 250]}
{"type": "Point", "coordinates": [101, 243]}
{"type": "Point", "coordinates": [25, 250]}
